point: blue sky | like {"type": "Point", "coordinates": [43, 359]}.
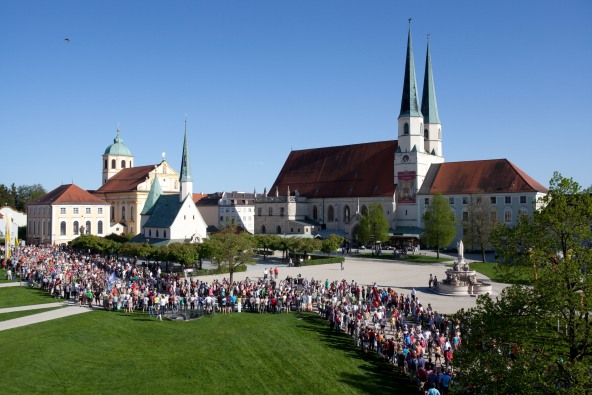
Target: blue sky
{"type": "Point", "coordinates": [259, 78]}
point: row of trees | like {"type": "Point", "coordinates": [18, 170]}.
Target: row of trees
{"type": "Point", "coordinates": [19, 197]}
{"type": "Point", "coordinates": [229, 248]}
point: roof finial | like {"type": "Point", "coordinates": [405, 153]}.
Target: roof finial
{"type": "Point", "coordinates": [428, 37]}
{"type": "Point", "coordinates": [410, 21]}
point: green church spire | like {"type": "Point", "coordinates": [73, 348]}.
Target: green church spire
{"type": "Point", "coordinates": [429, 106]}
{"type": "Point", "coordinates": [185, 166]}
{"type": "Point", "coordinates": [153, 195]}
{"type": "Point", "coordinates": [409, 102]}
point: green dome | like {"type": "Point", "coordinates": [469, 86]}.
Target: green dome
{"type": "Point", "coordinates": [117, 148]}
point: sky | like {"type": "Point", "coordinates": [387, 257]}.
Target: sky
{"type": "Point", "coordinates": [256, 79]}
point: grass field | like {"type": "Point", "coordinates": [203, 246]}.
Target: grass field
{"type": "Point", "coordinates": [388, 255]}
{"type": "Point", "coordinates": [24, 313]}
{"type": "Point", "coordinates": [106, 352]}
{"type": "Point", "coordinates": [3, 277]}
{"type": "Point", "coordinates": [495, 273]}
{"type": "Point", "coordinates": [23, 296]}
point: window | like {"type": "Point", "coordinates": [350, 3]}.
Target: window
{"type": "Point", "coordinates": [164, 234]}
{"type": "Point", "coordinates": [75, 210]}
{"type": "Point", "coordinates": [123, 212]}
{"type": "Point", "coordinates": [508, 215]}
{"type": "Point", "coordinates": [291, 230]}
{"type": "Point", "coordinates": [75, 227]}
{"type": "Point", "coordinates": [522, 199]}
{"type": "Point", "coordinates": [112, 213]}
{"type": "Point", "coordinates": [279, 229]}
{"type": "Point", "coordinates": [221, 218]}
{"type": "Point", "coordinates": [330, 214]}
{"type": "Point", "coordinates": [100, 210]}
{"type": "Point", "coordinates": [364, 210]}
{"type": "Point", "coordinates": [465, 200]}
{"type": "Point", "coordinates": [508, 199]}
{"type": "Point", "coordinates": [426, 201]}
{"type": "Point", "coordinates": [100, 227]}
{"type": "Point", "coordinates": [270, 211]}
{"type": "Point", "coordinates": [493, 200]}
{"type": "Point", "coordinates": [263, 230]}
{"type": "Point", "coordinates": [426, 134]}
{"type": "Point", "coordinates": [346, 214]}
{"type": "Point", "coordinates": [315, 213]}
{"type": "Point", "coordinates": [63, 228]}
{"type": "Point", "coordinates": [105, 166]}
{"type": "Point", "coordinates": [113, 163]}
{"type": "Point", "coordinates": [465, 216]}
{"type": "Point", "coordinates": [157, 235]}
{"type": "Point", "coordinates": [406, 128]}
{"type": "Point", "coordinates": [87, 227]}
{"type": "Point", "coordinates": [150, 232]}
{"type": "Point", "coordinates": [62, 210]}
{"type": "Point", "coordinates": [88, 210]}
{"type": "Point", "coordinates": [123, 164]}
{"type": "Point", "coordinates": [281, 211]}
{"type": "Point", "coordinates": [259, 210]}
{"type": "Point", "coordinates": [450, 200]}
{"type": "Point", "coordinates": [522, 213]}
{"type": "Point", "coordinates": [132, 213]}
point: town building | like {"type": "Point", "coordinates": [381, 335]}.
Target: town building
{"type": "Point", "coordinates": [126, 187]}
{"type": "Point", "coordinates": [326, 190]}
{"type": "Point", "coordinates": [222, 209]}
{"type": "Point", "coordinates": [64, 214]}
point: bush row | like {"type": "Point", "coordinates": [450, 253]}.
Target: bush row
{"type": "Point", "coordinates": [207, 272]}
{"type": "Point", "coordinates": [321, 260]}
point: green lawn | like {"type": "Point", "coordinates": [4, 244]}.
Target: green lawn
{"type": "Point", "coordinates": [503, 274]}
{"type": "Point", "coordinates": [19, 314]}
{"type": "Point", "coordinates": [3, 276]}
{"type": "Point", "coordinates": [23, 296]}
{"type": "Point", "coordinates": [388, 255]}
{"type": "Point", "coordinates": [106, 352]}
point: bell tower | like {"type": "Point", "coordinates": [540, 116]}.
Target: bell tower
{"type": "Point", "coordinates": [116, 157]}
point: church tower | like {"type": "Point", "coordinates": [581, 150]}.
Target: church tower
{"type": "Point", "coordinates": [432, 132]}
{"type": "Point", "coordinates": [185, 176]}
{"type": "Point", "coordinates": [419, 140]}
{"type": "Point", "coordinates": [116, 157]}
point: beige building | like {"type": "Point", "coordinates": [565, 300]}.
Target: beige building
{"type": "Point", "coordinates": [64, 214]}
{"type": "Point", "coordinates": [125, 188]}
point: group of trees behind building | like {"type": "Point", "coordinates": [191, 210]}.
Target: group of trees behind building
{"type": "Point", "coordinates": [19, 197]}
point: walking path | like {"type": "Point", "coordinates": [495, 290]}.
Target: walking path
{"type": "Point", "coordinates": [401, 276]}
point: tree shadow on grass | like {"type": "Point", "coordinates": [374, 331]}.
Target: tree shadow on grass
{"type": "Point", "coordinates": [379, 376]}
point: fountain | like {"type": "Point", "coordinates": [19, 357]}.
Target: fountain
{"type": "Point", "coordinates": [460, 280]}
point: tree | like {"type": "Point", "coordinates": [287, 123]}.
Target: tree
{"type": "Point", "coordinates": [439, 224]}
{"type": "Point", "coordinates": [331, 244]}
{"type": "Point", "coordinates": [481, 223]}
{"type": "Point", "coordinates": [538, 339]}
{"type": "Point", "coordinates": [266, 243]}
{"type": "Point", "coordinates": [26, 194]}
{"type": "Point", "coordinates": [232, 248]}
{"type": "Point", "coordinates": [373, 227]}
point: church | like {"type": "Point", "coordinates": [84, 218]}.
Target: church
{"type": "Point", "coordinates": [321, 191]}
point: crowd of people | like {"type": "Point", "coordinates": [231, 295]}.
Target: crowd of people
{"type": "Point", "coordinates": [397, 327]}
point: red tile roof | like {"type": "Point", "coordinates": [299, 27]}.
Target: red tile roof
{"type": "Point", "coordinates": [198, 196]}
{"type": "Point", "coordinates": [127, 179]}
{"type": "Point", "coordinates": [480, 176]}
{"type": "Point", "coordinates": [69, 194]}
{"type": "Point", "coordinates": [358, 170]}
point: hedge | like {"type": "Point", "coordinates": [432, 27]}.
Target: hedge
{"type": "Point", "coordinates": [207, 272]}
{"type": "Point", "coordinates": [321, 260]}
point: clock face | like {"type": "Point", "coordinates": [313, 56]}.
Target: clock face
{"type": "Point", "coordinates": [405, 158]}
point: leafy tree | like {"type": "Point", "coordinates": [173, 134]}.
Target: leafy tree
{"type": "Point", "coordinates": [184, 253]}
{"type": "Point", "coordinates": [232, 249]}
{"type": "Point", "coordinates": [204, 251]}
{"type": "Point", "coordinates": [481, 223]}
{"type": "Point", "coordinates": [266, 243]}
{"type": "Point", "coordinates": [546, 327]}
{"type": "Point", "coordinates": [373, 226]}
{"type": "Point", "coordinates": [26, 194]}
{"type": "Point", "coordinates": [439, 224]}
{"type": "Point", "coordinates": [331, 244]}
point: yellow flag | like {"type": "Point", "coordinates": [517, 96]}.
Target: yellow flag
{"type": "Point", "coordinates": [7, 242]}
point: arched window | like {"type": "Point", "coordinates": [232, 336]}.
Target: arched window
{"type": "Point", "coordinates": [364, 210]}
{"type": "Point", "coordinates": [279, 229]}
{"type": "Point", "coordinates": [105, 163]}
{"type": "Point", "coordinates": [123, 164]}
{"type": "Point", "coordinates": [426, 134]}
{"type": "Point", "coordinates": [87, 227]}
{"type": "Point", "coordinates": [406, 128]}
{"type": "Point", "coordinates": [263, 230]}
{"type": "Point", "coordinates": [259, 211]}
{"type": "Point", "coordinates": [330, 214]}
{"type": "Point", "coordinates": [123, 212]}
{"type": "Point", "coordinates": [113, 163]}
{"type": "Point", "coordinates": [270, 211]}
{"type": "Point", "coordinates": [508, 215]}
{"type": "Point", "coordinates": [315, 213]}
{"type": "Point", "coordinates": [346, 214]}
{"type": "Point", "coordinates": [439, 134]}
{"type": "Point", "coordinates": [63, 228]}
{"type": "Point", "coordinates": [157, 235]}
{"type": "Point", "coordinates": [100, 227]}
{"type": "Point", "coordinates": [149, 232]}
{"type": "Point", "coordinates": [112, 213]}
{"type": "Point", "coordinates": [75, 227]}
{"type": "Point", "coordinates": [132, 213]}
